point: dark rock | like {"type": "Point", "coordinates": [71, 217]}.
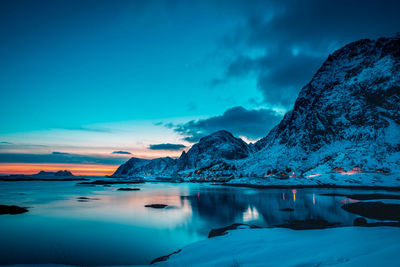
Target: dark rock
{"type": "Point", "coordinates": [5, 209]}
{"type": "Point", "coordinates": [375, 210]}
{"type": "Point", "coordinates": [359, 221]}
{"type": "Point", "coordinates": [86, 199]}
{"type": "Point", "coordinates": [379, 224]}
{"type": "Point", "coordinates": [287, 209]}
{"type": "Point", "coordinates": [164, 258]}
{"type": "Point", "coordinates": [128, 189]}
{"type": "Point", "coordinates": [223, 230]}
{"type": "Point", "coordinates": [105, 182]}
{"type": "Point", "coordinates": [58, 173]}
{"type": "Point", "coordinates": [307, 224]}
{"type": "Point", "coordinates": [156, 206]}
{"type": "Point", "coordinates": [364, 196]}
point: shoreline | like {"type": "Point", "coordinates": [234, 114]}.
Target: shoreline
{"type": "Point", "coordinates": [362, 187]}
{"type": "Point", "coordinates": [255, 246]}
{"type": "Point", "coordinates": [244, 185]}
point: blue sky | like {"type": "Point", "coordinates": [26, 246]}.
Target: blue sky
{"type": "Point", "coordinates": [93, 77]}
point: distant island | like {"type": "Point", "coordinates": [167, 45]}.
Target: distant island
{"type": "Point", "coordinates": [57, 173]}
{"type": "Point", "coordinates": [61, 175]}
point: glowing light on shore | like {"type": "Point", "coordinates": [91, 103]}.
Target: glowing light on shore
{"type": "Point", "coordinates": [294, 191]}
{"type": "Point", "coordinates": [76, 169]}
{"type": "Point", "coordinates": [352, 171]}
{"type": "Point", "coordinates": [313, 175]}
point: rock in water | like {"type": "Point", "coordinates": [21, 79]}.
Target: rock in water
{"type": "Point", "coordinates": [156, 206]}
{"type": "Point", "coordinates": [375, 210]}
{"type": "Point", "coordinates": [5, 209]}
{"type": "Point", "coordinates": [359, 221]}
{"type": "Point", "coordinates": [128, 189]}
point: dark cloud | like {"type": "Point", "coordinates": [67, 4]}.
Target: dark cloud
{"type": "Point", "coordinates": [192, 106]}
{"type": "Point", "coordinates": [60, 153]}
{"type": "Point", "coordinates": [238, 120]}
{"type": "Point", "coordinates": [95, 129]}
{"type": "Point", "coordinates": [58, 158]}
{"type": "Point", "coordinates": [293, 38]}
{"type": "Point", "coordinates": [5, 143]}
{"type": "Point", "coordinates": [167, 146]}
{"type": "Point", "coordinates": [122, 152]}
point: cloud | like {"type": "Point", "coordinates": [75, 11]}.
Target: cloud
{"type": "Point", "coordinates": [58, 158]}
{"type": "Point", "coordinates": [60, 153]}
{"type": "Point", "coordinates": [253, 124]}
{"type": "Point", "coordinates": [283, 43]}
{"type": "Point", "coordinates": [122, 152]}
{"type": "Point", "coordinates": [5, 143]}
{"type": "Point", "coordinates": [167, 146]}
{"type": "Point", "coordinates": [91, 128]}
{"type": "Point", "coordinates": [192, 106]}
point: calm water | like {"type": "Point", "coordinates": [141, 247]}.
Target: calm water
{"type": "Point", "coordinates": [116, 228]}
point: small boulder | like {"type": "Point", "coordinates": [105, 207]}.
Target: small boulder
{"type": "Point", "coordinates": [156, 206]}
{"type": "Point", "coordinates": [128, 189]}
{"type": "Point", "coordinates": [5, 209]}
{"type": "Point", "coordinates": [224, 230]}
{"type": "Point", "coordinates": [359, 221]}
{"type": "Point", "coordinates": [287, 209]}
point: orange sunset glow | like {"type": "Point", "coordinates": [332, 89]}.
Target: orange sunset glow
{"type": "Point", "coordinates": [76, 169]}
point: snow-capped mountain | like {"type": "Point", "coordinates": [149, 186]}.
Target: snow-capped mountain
{"type": "Point", "coordinates": [214, 148]}
{"type": "Point", "coordinates": [347, 116]}
{"type": "Point", "coordinates": [142, 167]}
{"type": "Point", "coordinates": [346, 120]}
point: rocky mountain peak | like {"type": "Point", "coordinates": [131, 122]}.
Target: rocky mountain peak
{"type": "Point", "coordinates": [351, 104]}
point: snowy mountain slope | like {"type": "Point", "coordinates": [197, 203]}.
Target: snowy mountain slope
{"type": "Point", "coordinates": [344, 129]}
{"type": "Point", "coordinates": [214, 148]}
{"type": "Point", "coordinates": [347, 117]}
{"type": "Point", "coordinates": [141, 167]}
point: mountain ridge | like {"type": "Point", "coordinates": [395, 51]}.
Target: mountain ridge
{"type": "Point", "coordinates": [347, 117]}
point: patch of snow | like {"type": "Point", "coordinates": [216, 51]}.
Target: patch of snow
{"type": "Point", "coordinates": [346, 246]}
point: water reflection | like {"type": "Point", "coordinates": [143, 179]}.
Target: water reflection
{"type": "Point", "coordinates": [264, 207]}
{"type": "Point", "coordinates": [116, 229]}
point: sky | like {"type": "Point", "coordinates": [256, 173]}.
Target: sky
{"type": "Point", "coordinates": [85, 85]}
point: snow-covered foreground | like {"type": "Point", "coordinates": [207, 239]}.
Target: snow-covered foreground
{"type": "Point", "coordinates": [346, 246]}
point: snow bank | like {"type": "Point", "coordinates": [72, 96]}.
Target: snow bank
{"type": "Point", "coordinates": [347, 246]}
